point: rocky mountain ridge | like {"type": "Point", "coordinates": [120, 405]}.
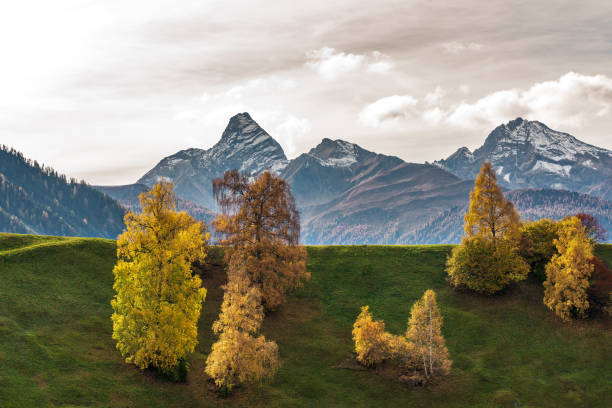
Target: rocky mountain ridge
{"type": "Point", "coordinates": [244, 145]}
{"type": "Point", "coordinates": [349, 195]}
{"type": "Point", "coordinates": [528, 154]}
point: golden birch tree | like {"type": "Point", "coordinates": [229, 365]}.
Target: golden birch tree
{"type": "Point", "coordinates": [158, 299]}
{"type": "Point", "coordinates": [569, 271]}
{"type": "Point", "coordinates": [425, 334]}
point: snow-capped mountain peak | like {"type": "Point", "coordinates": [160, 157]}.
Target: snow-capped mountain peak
{"type": "Point", "coordinates": [530, 154]}
{"type": "Point", "coordinates": [244, 146]}
{"type": "Point", "coordinates": [338, 153]}
{"type": "Point", "coordinates": [556, 146]}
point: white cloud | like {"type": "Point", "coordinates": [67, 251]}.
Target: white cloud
{"type": "Point", "coordinates": [260, 85]}
{"type": "Point", "coordinates": [330, 64]}
{"type": "Point", "coordinates": [569, 101]}
{"type": "Point", "coordinates": [388, 110]}
{"type": "Point", "coordinates": [381, 63]}
{"type": "Point", "coordinates": [434, 97]}
{"type": "Point", "coordinates": [456, 47]}
{"type": "Point", "coordinates": [288, 130]}
{"type": "Point", "coordinates": [216, 108]}
{"type": "Point", "coordinates": [213, 110]}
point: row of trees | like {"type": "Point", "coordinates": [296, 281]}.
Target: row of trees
{"type": "Point", "coordinates": [159, 298]}
{"type": "Point", "coordinates": [498, 249]}
{"type": "Point", "coordinates": [420, 354]}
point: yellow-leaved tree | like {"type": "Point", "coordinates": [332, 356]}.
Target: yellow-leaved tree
{"type": "Point", "coordinates": [488, 258]}
{"type": "Point", "coordinates": [569, 271]}
{"type": "Point", "coordinates": [425, 334]}
{"type": "Point", "coordinates": [158, 299]}
{"type": "Point", "coordinates": [490, 215]}
{"type": "Point", "coordinates": [372, 344]}
{"type": "Point", "coordinates": [260, 226]}
{"type": "Point", "coordinates": [240, 355]}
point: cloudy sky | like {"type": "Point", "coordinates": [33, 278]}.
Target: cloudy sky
{"type": "Point", "coordinates": [102, 90]}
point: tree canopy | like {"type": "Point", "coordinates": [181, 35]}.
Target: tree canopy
{"type": "Point", "coordinates": [158, 299]}
{"type": "Point", "coordinates": [260, 228]}
{"type": "Point", "coordinates": [490, 214]}
{"type": "Point", "coordinates": [569, 271]}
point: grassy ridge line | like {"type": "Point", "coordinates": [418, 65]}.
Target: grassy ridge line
{"type": "Point", "coordinates": [56, 349]}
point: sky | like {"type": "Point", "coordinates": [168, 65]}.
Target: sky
{"type": "Point", "coordinates": [103, 90]}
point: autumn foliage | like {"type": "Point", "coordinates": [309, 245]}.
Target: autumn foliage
{"type": "Point", "coordinates": [260, 227]}
{"type": "Point", "coordinates": [490, 215]}
{"type": "Point", "coordinates": [569, 272]}
{"type": "Point", "coordinates": [599, 293]}
{"type": "Point", "coordinates": [158, 300]}
{"type": "Point", "coordinates": [592, 227]}
{"type": "Point", "coordinates": [488, 258]}
{"type": "Point", "coordinates": [424, 332]}
{"type": "Point", "coordinates": [241, 355]}
{"type": "Point", "coordinates": [421, 353]}
{"type": "Point", "coordinates": [372, 344]}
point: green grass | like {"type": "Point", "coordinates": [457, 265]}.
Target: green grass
{"type": "Point", "coordinates": [56, 348]}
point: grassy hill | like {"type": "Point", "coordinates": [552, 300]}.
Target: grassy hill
{"type": "Point", "coordinates": [56, 348]}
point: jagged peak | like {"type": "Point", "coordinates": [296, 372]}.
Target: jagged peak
{"type": "Point", "coordinates": [328, 148]}
{"type": "Point", "coordinates": [464, 151]}
{"type": "Point", "coordinates": [241, 118]}
{"type": "Point", "coordinates": [242, 126]}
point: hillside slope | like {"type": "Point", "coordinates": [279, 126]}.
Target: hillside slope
{"type": "Point", "coordinates": [56, 348]}
{"type": "Point", "coordinates": [36, 199]}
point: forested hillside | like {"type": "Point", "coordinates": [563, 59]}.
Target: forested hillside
{"type": "Point", "coordinates": [36, 199]}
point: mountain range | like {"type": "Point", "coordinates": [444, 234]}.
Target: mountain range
{"type": "Point", "coordinates": [349, 195]}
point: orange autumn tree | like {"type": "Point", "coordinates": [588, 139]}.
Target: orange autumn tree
{"type": "Point", "coordinates": [260, 228]}
{"type": "Point", "coordinates": [488, 258]}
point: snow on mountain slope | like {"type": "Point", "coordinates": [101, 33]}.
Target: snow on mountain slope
{"type": "Point", "coordinates": [331, 168]}
{"type": "Point", "coordinates": [530, 154]}
{"type": "Point", "coordinates": [244, 145]}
